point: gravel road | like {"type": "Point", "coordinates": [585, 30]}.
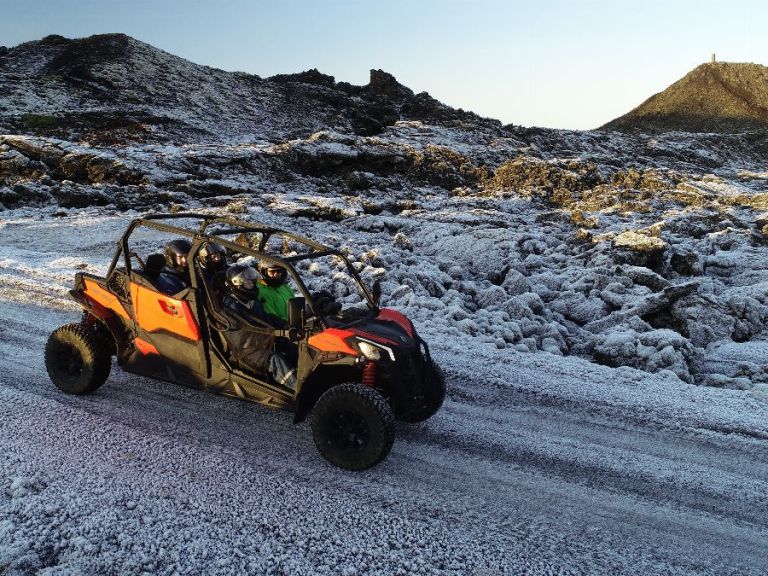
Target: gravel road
{"type": "Point", "coordinates": [148, 477]}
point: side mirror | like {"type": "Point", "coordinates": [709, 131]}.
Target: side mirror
{"type": "Point", "coordinates": [376, 292]}
{"type": "Point", "coordinates": [296, 313]}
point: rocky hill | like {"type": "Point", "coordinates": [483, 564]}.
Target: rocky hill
{"type": "Point", "coordinates": [717, 97]}
{"type": "Point", "coordinates": [112, 86]}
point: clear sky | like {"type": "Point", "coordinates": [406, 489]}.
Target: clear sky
{"type": "Point", "coordinates": [551, 63]}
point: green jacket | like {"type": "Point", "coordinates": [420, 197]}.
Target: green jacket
{"type": "Point", "coordinates": [275, 300]}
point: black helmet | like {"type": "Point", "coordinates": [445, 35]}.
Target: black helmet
{"type": "Point", "coordinates": [272, 274]}
{"type": "Point", "coordinates": [212, 256]}
{"type": "Point", "coordinates": [242, 281]}
{"type": "Point", "coordinates": [176, 254]}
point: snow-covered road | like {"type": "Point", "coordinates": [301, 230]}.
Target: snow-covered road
{"type": "Point", "coordinates": [536, 464]}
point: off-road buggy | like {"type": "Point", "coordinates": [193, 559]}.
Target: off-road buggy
{"type": "Point", "coordinates": [358, 367]}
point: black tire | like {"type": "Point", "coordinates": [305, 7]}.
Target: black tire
{"type": "Point", "coordinates": [353, 426]}
{"type": "Point", "coordinates": [425, 406]}
{"type": "Point", "coordinates": [76, 361]}
{"type": "Point", "coordinates": [102, 334]}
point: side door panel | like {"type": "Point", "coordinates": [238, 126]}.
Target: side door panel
{"type": "Point", "coordinates": [168, 335]}
{"type": "Point", "coordinates": [156, 312]}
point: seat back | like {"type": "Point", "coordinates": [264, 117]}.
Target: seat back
{"type": "Point", "coordinates": [153, 266]}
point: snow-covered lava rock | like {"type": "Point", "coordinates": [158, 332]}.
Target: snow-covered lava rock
{"type": "Point", "coordinates": [650, 268]}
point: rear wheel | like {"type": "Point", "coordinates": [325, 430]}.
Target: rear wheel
{"type": "Point", "coordinates": [429, 402]}
{"type": "Point", "coordinates": [100, 331]}
{"type": "Point", "coordinates": [75, 359]}
{"type": "Point", "coordinates": [353, 426]}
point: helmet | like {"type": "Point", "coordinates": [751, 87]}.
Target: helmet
{"type": "Point", "coordinates": [241, 281]}
{"type": "Point", "coordinates": [272, 274]}
{"type": "Point", "coordinates": [212, 256]}
{"type": "Point", "coordinates": [176, 254]}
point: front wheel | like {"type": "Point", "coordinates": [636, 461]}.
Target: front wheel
{"type": "Point", "coordinates": [76, 361]}
{"type": "Point", "coordinates": [353, 426]}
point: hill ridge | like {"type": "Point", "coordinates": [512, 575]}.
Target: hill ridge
{"type": "Point", "coordinates": [69, 88]}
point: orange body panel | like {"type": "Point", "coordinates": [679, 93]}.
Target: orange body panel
{"type": "Point", "coordinates": [332, 340]}
{"type": "Point", "coordinates": [154, 311]}
{"type": "Point", "coordinates": [145, 347]}
{"type": "Point", "coordinates": [100, 295]}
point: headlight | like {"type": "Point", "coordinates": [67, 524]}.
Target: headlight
{"type": "Point", "coordinates": [373, 350]}
{"type": "Point", "coordinates": [369, 350]}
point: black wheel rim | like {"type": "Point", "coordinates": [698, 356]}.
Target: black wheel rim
{"type": "Point", "coordinates": [348, 431]}
{"type": "Point", "coordinates": [69, 362]}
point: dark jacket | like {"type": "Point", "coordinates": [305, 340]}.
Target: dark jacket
{"type": "Point", "coordinates": [170, 283]}
{"type": "Point", "coordinates": [250, 343]}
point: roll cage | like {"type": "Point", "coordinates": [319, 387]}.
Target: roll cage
{"type": "Point", "coordinates": [205, 232]}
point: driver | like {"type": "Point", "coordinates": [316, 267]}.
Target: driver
{"type": "Point", "coordinates": [251, 347]}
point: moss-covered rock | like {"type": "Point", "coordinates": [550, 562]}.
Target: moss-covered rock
{"type": "Point", "coordinates": [39, 123]}
{"type": "Point", "coordinates": [557, 181]}
{"type": "Point", "coordinates": [639, 242]}
{"type": "Point", "coordinates": [444, 167]}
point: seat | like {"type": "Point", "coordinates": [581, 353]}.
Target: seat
{"type": "Point", "coordinates": [153, 267]}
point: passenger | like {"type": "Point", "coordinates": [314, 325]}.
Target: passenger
{"type": "Point", "coordinates": [274, 293]}
{"type": "Point", "coordinates": [253, 347]}
{"type": "Point", "coordinates": [212, 258]}
{"type": "Point", "coordinates": [175, 276]}
{"type": "Point", "coordinates": [152, 270]}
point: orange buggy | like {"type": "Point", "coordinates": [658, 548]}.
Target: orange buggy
{"type": "Point", "coordinates": [358, 367]}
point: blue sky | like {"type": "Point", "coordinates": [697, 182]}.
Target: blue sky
{"type": "Point", "coordinates": [547, 63]}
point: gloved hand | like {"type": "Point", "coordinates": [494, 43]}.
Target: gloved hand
{"type": "Point", "coordinates": [324, 303]}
